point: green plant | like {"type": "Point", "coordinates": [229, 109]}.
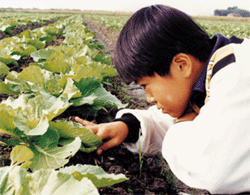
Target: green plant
{"type": "Point", "coordinates": [79, 179]}
{"type": "Point", "coordinates": [140, 155]}
{"type": "Point", "coordinates": [2, 159]}
{"type": "Point", "coordinates": [130, 191]}
{"type": "Point", "coordinates": [64, 76]}
{"type": "Point", "coordinates": [69, 75]}
{"type": "Point", "coordinates": [28, 119]}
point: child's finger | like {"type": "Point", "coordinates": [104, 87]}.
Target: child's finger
{"type": "Point", "coordinates": [84, 122]}
{"type": "Point", "coordinates": [107, 145]}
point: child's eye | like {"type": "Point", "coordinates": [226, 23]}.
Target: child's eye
{"type": "Point", "coordinates": [143, 86]}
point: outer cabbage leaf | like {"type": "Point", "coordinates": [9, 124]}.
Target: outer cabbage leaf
{"type": "Point", "coordinates": [47, 152]}
{"type": "Point", "coordinates": [106, 99]}
{"type": "Point", "coordinates": [70, 90]}
{"type": "Point", "coordinates": [52, 59]}
{"type": "Point", "coordinates": [34, 74]}
{"type": "Point", "coordinates": [33, 79]}
{"type": "Point", "coordinates": [27, 34]}
{"type": "Point", "coordinates": [13, 85]}
{"type": "Point", "coordinates": [95, 173]}
{"type": "Point", "coordinates": [42, 54]}
{"type": "Point", "coordinates": [51, 83]}
{"type": "Point", "coordinates": [7, 125]}
{"type": "Point", "coordinates": [42, 182]}
{"type": "Point", "coordinates": [23, 49]}
{"type": "Point", "coordinates": [33, 113]}
{"type": "Point", "coordinates": [7, 59]}
{"type": "Point", "coordinates": [21, 155]}
{"type": "Point", "coordinates": [7, 89]}
{"type": "Point", "coordinates": [87, 87]}
{"type": "Point", "coordinates": [47, 38]}
{"type": "Point", "coordinates": [36, 43]}
{"type": "Point", "coordinates": [4, 69]}
{"type": "Point", "coordinates": [66, 129]}
{"type": "Point", "coordinates": [57, 65]}
{"type": "Point", "coordinates": [105, 70]}
{"type": "Point", "coordinates": [94, 94]}
{"type": "Point", "coordinates": [83, 71]}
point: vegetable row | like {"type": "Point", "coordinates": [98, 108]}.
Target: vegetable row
{"type": "Point", "coordinates": [226, 26]}
{"type": "Point", "coordinates": [9, 20]}
{"type": "Point", "coordinates": [71, 74]}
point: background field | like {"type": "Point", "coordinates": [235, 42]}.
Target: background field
{"type": "Point", "coordinates": [153, 175]}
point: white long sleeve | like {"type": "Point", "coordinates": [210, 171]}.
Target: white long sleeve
{"type": "Point", "coordinates": [213, 151]}
{"type": "Point", "coordinates": [154, 125]}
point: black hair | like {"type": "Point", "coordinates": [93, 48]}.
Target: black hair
{"type": "Point", "coordinates": [152, 37]}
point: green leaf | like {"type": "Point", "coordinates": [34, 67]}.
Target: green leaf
{"type": "Point", "coordinates": [48, 154]}
{"type": "Point", "coordinates": [23, 50]}
{"type": "Point", "coordinates": [21, 155]}
{"type": "Point", "coordinates": [33, 74]}
{"type": "Point", "coordinates": [70, 90]}
{"type": "Point", "coordinates": [10, 142]}
{"type": "Point", "coordinates": [42, 54]}
{"type": "Point", "coordinates": [4, 69]}
{"type": "Point", "coordinates": [7, 125]}
{"type": "Point", "coordinates": [45, 181]}
{"type": "Point", "coordinates": [29, 124]}
{"type": "Point", "coordinates": [36, 43]}
{"type": "Point", "coordinates": [87, 86]}
{"type": "Point", "coordinates": [33, 113]}
{"type": "Point", "coordinates": [48, 38]}
{"type": "Point", "coordinates": [68, 129]}
{"type": "Point", "coordinates": [106, 99]}
{"type": "Point", "coordinates": [94, 94]}
{"type": "Point", "coordinates": [105, 70]}
{"type": "Point", "coordinates": [43, 80]}
{"type": "Point", "coordinates": [57, 65]}
{"type": "Point", "coordinates": [26, 33]}
{"type": "Point", "coordinates": [7, 59]}
{"type": "Point", "coordinates": [95, 173]}
{"type": "Point", "coordinates": [14, 86]}
{"type": "Point", "coordinates": [7, 89]}
{"type": "Point", "coordinates": [83, 71]}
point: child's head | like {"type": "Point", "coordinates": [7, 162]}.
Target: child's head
{"type": "Point", "coordinates": [152, 37]}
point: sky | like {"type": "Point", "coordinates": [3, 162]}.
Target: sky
{"type": "Point", "coordinates": [191, 7]}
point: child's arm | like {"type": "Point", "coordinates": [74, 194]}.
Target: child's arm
{"type": "Point", "coordinates": [115, 132]}
{"type": "Point", "coordinates": [152, 122]}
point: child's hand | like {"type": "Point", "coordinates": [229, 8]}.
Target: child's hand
{"type": "Point", "coordinates": [114, 132]}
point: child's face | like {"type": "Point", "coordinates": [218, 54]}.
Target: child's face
{"type": "Point", "coordinates": [170, 93]}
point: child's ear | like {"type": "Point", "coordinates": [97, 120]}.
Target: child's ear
{"type": "Point", "coordinates": [183, 64]}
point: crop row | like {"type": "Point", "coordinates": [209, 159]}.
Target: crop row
{"type": "Point", "coordinates": [115, 22]}
{"type": "Point", "coordinates": [10, 20]}
{"type": "Point", "coordinates": [228, 27]}
{"type": "Point", "coordinates": [63, 76]}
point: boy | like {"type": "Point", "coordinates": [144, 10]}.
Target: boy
{"type": "Point", "coordinates": [201, 91]}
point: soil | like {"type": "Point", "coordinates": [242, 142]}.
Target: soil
{"type": "Point", "coordinates": [154, 177]}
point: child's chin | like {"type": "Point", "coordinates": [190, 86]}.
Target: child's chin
{"type": "Point", "coordinates": [164, 111]}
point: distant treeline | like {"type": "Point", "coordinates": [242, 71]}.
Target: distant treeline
{"type": "Point", "coordinates": [234, 10]}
